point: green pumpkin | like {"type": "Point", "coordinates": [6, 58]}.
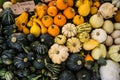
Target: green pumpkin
{"type": "Point", "coordinates": [7, 17]}
{"type": "Point", "coordinates": [7, 56]}
{"type": "Point", "coordinates": [67, 75]}
{"type": "Point", "coordinates": [21, 61]}
{"type": "Point", "coordinates": [16, 40]}
{"type": "Point", "coordinates": [31, 37]}
{"type": "Point", "coordinates": [39, 48]}
{"type": "Point", "coordinates": [46, 39]}
{"type": "Point", "coordinates": [75, 62]}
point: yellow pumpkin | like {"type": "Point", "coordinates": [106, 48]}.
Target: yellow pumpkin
{"type": "Point", "coordinates": [78, 19]}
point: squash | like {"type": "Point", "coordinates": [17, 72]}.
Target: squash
{"type": "Point", "coordinates": [60, 19]}
{"type": "Point", "coordinates": [52, 11]}
{"type": "Point", "coordinates": [58, 53]}
{"type": "Point", "coordinates": [96, 20]}
{"type": "Point", "coordinates": [69, 12]}
{"type": "Point", "coordinates": [78, 19]}
{"type": "Point", "coordinates": [61, 4]}
{"type": "Point", "coordinates": [75, 62]}
{"type": "Point", "coordinates": [83, 36]}
{"type": "Point", "coordinates": [7, 4]}
{"type": "Point", "coordinates": [90, 44]}
{"type": "Point", "coordinates": [16, 40]}
{"type": "Point", "coordinates": [84, 27]}
{"type": "Point", "coordinates": [67, 75]}
{"type": "Point", "coordinates": [53, 30]}
{"type": "Point", "coordinates": [60, 39]}
{"type": "Point", "coordinates": [7, 56]}
{"type": "Point", "coordinates": [7, 17]}
{"type": "Point", "coordinates": [99, 34]}
{"type": "Point", "coordinates": [21, 61]}
{"type": "Point", "coordinates": [74, 45]}
{"type": "Point", "coordinates": [113, 52]}
{"type": "Point", "coordinates": [31, 37]}
{"type": "Point", "coordinates": [46, 39]}
{"type": "Point", "coordinates": [39, 48]}
{"type": "Point", "coordinates": [38, 63]}
{"type": "Point", "coordinates": [69, 30]}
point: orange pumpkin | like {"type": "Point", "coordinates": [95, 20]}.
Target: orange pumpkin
{"type": "Point", "coordinates": [70, 3]}
{"type": "Point", "coordinates": [53, 30]}
{"type": "Point", "coordinates": [61, 4]}
{"type": "Point", "coordinates": [41, 9]}
{"type": "Point", "coordinates": [60, 20]}
{"type": "Point", "coordinates": [69, 12]}
{"type": "Point", "coordinates": [52, 11]}
{"type": "Point", "coordinates": [52, 3]}
{"type": "Point", "coordinates": [96, 4]}
{"type": "Point", "coordinates": [47, 20]}
{"type": "Point", "coordinates": [78, 19]}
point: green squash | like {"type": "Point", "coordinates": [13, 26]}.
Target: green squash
{"type": "Point", "coordinates": [8, 17]}
{"type": "Point", "coordinates": [31, 37]}
{"type": "Point", "coordinates": [75, 62]}
{"type": "Point", "coordinates": [39, 48]}
{"type": "Point", "coordinates": [46, 39]}
{"type": "Point", "coordinates": [83, 74]}
{"type": "Point", "coordinates": [16, 40]}
{"type": "Point", "coordinates": [7, 56]}
{"type": "Point", "coordinates": [67, 75]}
{"type": "Point", "coordinates": [38, 63]}
{"type": "Point", "coordinates": [21, 61]}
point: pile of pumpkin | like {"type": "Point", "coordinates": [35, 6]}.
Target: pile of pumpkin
{"type": "Point", "coordinates": [61, 40]}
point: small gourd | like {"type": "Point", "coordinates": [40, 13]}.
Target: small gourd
{"type": "Point", "coordinates": [69, 30]}
{"type": "Point", "coordinates": [99, 34]}
{"type": "Point", "coordinates": [74, 45]}
{"type": "Point", "coordinates": [7, 4]}
{"type": "Point", "coordinates": [78, 19]}
{"type": "Point", "coordinates": [75, 62]}
{"type": "Point", "coordinates": [60, 39]}
{"type": "Point", "coordinates": [58, 53]}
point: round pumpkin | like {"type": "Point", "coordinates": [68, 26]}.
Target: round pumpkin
{"type": "Point", "coordinates": [61, 4]}
{"type": "Point", "coordinates": [52, 3]}
{"type": "Point", "coordinates": [53, 30]}
{"type": "Point", "coordinates": [78, 19]}
{"type": "Point", "coordinates": [60, 20]}
{"type": "Point", "coordinates": [52, 11]}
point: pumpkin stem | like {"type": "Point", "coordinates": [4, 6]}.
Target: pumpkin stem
{"type": "Point", "coordinates": [13, 39]}
{"type": "Point", "coordinates": [53, 26]}
{"type": "Point", "coordinates": [72, 10]}
{"type": "Point", "coordinates": [59, 17]}
{"type": "Point", "coordinates": [65, 1]}
{"type": "Point", "coordinates": [79, 62]}
{"type": "Point", "coordinates": [97, 33]}
{"type": "Point", "coordinates": [25, 59]}
{"type": "Point", "coordinates": [39, 60]}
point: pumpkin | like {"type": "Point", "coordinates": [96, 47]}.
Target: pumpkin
{"type": "Point", "coordinates": [70, 3]}
{"type": "Point", "coordinates": [16, 40]}
{"type": "Point", "coordinates": [53, 30]}
{"type": "Point", "coordinates": [83, 36]}
{"type": "Point", "coordinates": [113, 52]}
{"type": "Point", "coordinates": [69, 12]}
{"type": "Point", "coordinates": [7, 56]}
{"type": "Point", "coordinates": [7, 17]}
{"type": "Point", "coordinates": [69, 30]}
{"type": "Point", "coordinates": [46, 39]}
{"type": "Point", "coordinates": [60, 19]}
{"type": "Point", "coordinates": [38, 63]}
{"type": "Point", "coordinates": [75, 62]}
{"type": "Point", "coordinates": [78, 19]}
{"type": "Point", "coordinates": [7, 4]}
{"type": "Point", "coordinates": [47, 20]}
{"type": "Point", "coordinates": [99, 34]}
{"type": "Point", "coordinates": [52, 3]}
{"type": "Point", "coordinates": [67, 75]}
{"type": "Point", "coordinates": [31, 37]}
{"type": "Point", "coordinates": [96, 20]}
{"type": "Point", "coordinates": [84, 27]}
{"type": "Point", "coordinates": [58, 53]}
{"type": "Point", "coordinates": [21, 61]}
{"type": "Point", "coordinates": [61, 4]}
{"type": "Point", "coordinates": [52, 11]}
{"type": "Point", "coordinates": [60, 39]}
{"type": "Point", "coordinates": [39, 48]}
{"type": "Point", "coordinates": [74, 45]}
{"type": "Point", "coordinates": [83, 74]}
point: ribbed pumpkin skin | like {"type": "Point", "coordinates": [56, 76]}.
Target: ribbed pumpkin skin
{"type": "Point", "coordinates": [7, 17]}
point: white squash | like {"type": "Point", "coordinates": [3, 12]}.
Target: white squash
{"type": "Point", "coordinates": [117, 41]}
{"type": "Point", "coordinates": [115, 34]}
{"type": "Point", "coordinates": [117, 26]}
{"type": "Point", "coordinates": [96, 20]}
{"type": "Point", "coordinates": [109, 41]}
{"type": "Point", "coordinates": [99, 34]}
{"type": "Point", "coordinates": [7, 4]}
{"type": "Point", "coordinates": [108, 26]}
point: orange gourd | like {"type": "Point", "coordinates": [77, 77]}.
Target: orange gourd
{"type": "Point", "coordinates": [62, 4]}
{"type": "Point", "coordinates": [78, 19]}
{"type": "Point", "coordinates": [52, 11]}
{"type": "Point", "coordinates": [60, 20]}
{"type": "Point", "coordinates": [88, 58]}
{"type": "Point", "coordinates": [69, 12]}
{"type": "Point", "coordinates": [70, 3]}
{"type": "Point", "coordinates": [96, 4]}
{"type": "Point", "coordinates": [53, 30]}
{"type": "Point", "coordinates": [52, 3]}
{"type": "Point", "coordinates": [47, 20]}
